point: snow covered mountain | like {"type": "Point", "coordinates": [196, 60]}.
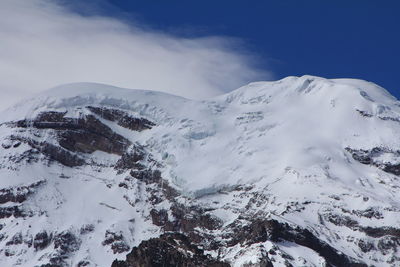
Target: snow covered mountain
{"type": "Point", "coordinates": [303, 171]}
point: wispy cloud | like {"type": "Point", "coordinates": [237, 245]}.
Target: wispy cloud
{"type": "Point", "coordinates": [44, 44]}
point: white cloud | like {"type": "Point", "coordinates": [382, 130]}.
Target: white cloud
{"type": "Point", "coordinates": [43, 44]}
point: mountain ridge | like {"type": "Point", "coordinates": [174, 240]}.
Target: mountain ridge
{"type": "Point", "coordinates": [300, 171]}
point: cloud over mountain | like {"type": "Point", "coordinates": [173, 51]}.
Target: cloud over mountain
{"type": "Point", "coordinates": [45, 44]}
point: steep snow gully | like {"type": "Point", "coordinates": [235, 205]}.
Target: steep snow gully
{"type": "Point", "coordinates": [303, 171]}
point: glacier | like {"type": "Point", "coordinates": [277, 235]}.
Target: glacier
{"type": "Point", "coordinates": [314, 154]}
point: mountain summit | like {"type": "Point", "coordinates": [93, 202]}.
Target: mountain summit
{"type": "Point", "coordinates": [303, 171]}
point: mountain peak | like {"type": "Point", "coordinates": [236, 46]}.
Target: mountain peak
{"type": "Point", "coordinates": [312, 162]}
{"type": "Point", "coordinates": [307, 83]}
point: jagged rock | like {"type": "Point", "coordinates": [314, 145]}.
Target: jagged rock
{"type": "Point", "coordinates": [122, 118]}
{"type": "Point", "coordinates": [148, 176]}
{"type": "Point", "coordinates": [130, 160]}
{"type": "Point", "coordinates": [341, 220]}
{"type": "Point", "coordinates": [66, 241]}
{"type": "Point", "coordinates": [51, 117]}
{"type": "Point", "coordinates": [273, 230]}
{"type": "Point", "coordinates": [368, 157]}
{"type": "Point", "coordinates": [395, 168]}
{"type": "Point", "coordinates": [369, 213]}
{"type": "Point", "coordinates": [52, 152]}
{"type": "Point", "coordinates": [29, 156]}
{"type": "Point", "coordinates": [381, 231]}
{"type": "Point", "coordinates": [15, 240]}
{"type": "Point", "coordinates": [361, 155]}
{"type": "Point", "coordinates": [87, 228]}
{"type": "Point", "coordinates": [169, 250]}
{"type": "Point", "coordinates": [42, 240]}
{"type": "Point", "coordinates": [388, 244]}
{"type": "Point", "coordinates": [184, 219]}
{"type": "Point", "coordinates": [16, 211]}
{"type": "Point", "coordinates": [18, 194]}
{"type": "Point", "coordinates": [117, 242]}
{"type": "Point", "coordinates": [365, 246]}
{"type": "Point", "coordinates": [86, 134]}
{"type": "Point", "coordinates": [159, 217]}
{"type": "Point", "coordinates": [93, 135]}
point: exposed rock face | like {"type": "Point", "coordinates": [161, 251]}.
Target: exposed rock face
{"type": "Point", "coordinates": [169, 250]}
{"type": "Point", "coordinates": [12, 197]}
{"type": "Point", "coordinates": [41, 240]}
{"type": "Point", "coordinates": [116, 241]}
{"type": "Point", "coordinates": [16, 211]}
{"type": "Point", "coordinates": [371, 157]}
{"type": "Point", "coordinates": [18, 194]}
{"type": "Point", "coordinates": [86, 134]}
{"type": "Point", "coordinates": [184, 219]}
{"type": "Point", "coordinates": [52, 152]}
{"type": "Point", "coordinates": [131, 159]}
{"type": "Point", "coordinates": [122, 118]}
{"type": "Point", "coordinates": [275, 231]}
{"type": "Point", "coordinates": [65, 243]}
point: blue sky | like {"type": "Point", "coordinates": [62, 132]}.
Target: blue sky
{"type": "Point", "coordinates": [357, 39]}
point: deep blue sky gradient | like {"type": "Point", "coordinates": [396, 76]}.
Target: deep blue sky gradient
{"type": "Point", "coordinates": [332, 39]}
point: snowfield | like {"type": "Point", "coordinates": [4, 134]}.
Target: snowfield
{"type": "Point", "coordinates": [313, 153]}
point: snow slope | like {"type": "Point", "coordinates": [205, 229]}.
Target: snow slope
{"type": "Point", "coordinates": [291, 143]}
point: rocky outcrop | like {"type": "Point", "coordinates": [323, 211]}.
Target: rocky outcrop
{"type": "Point", "coordinates": [370, 157]}
{"type": "Point", "coordinates": [169, 250]}
{"type": "Point", "coordinates": [18, 194]}
{"type": "Point", "coordinates": [116, 241]}
{"type": "Point", "coordinates": [184, 219]}
{"type": "Point", "coordinates": [16, 211]}
{"type": "Point", "coordinates": [130, 160]}
{"type": "Point", "coordinates": [51, 152]}
{"type": "Point", "coordinates": [82, 135]}
{"type": "Point", "coordinates": [122, 118]}
{"type": "Point", "coordinates": [42, 240]}
{"type": "Point", "coordinates": [259, 231]}
{"type": "Point", "coordinates": [65, 243]}
{"type": "Point", "coordinates": [85, 134]}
